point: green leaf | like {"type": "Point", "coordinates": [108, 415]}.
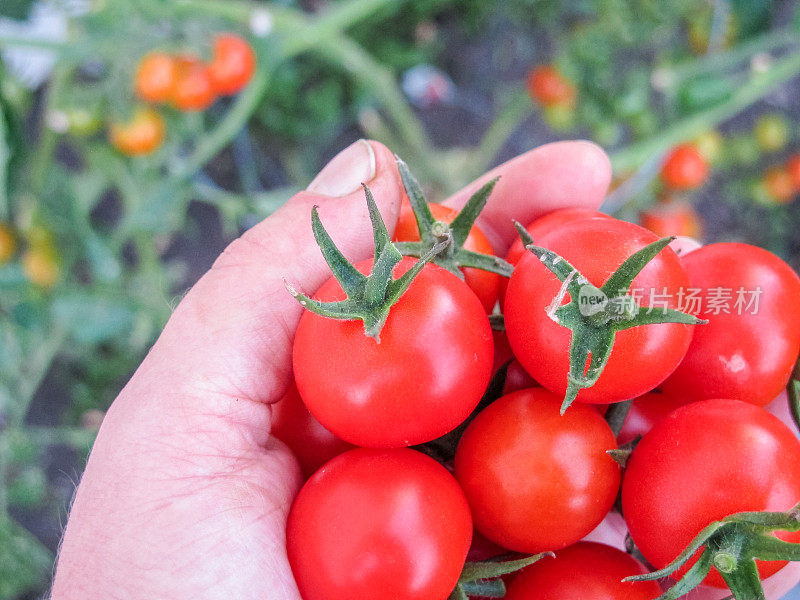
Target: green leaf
{"type": "Point", "coordinates": [16, 9]}
{"type": "Point", "coordinates": [25, 564]}
{"type": "Point", "coordinates": [91, 318]}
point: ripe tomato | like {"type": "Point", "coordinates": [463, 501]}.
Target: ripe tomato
{"type": "Point", "coordinates": [536, 480]}
{"type": "Point", "coordinates": [540, 227]}
{"type": "Point", "coordinates": [194, 89]}
{"type": "Point", "coordinates": [793, 168]}
{"type": "Point", "coordinates": [645, 412]}
{"type": "Point", "coordinates": [232, 64]}
{"type": "Point", "coordinates": [701, 463]}
{"type": "Point", "coordinates": [8, 243]}
{"type": "Point", "coordinates": [684, 168]}
{"type": "Point", "coordinates": [746, 356]}
{"type": "Point", "coordinates": [549, 87]}
{"type": "Point", "coordinates": [597, 247]}
{"type": "Point", "coordinates": [405, 389]}
{"type": "Point", "coordinates": [142, 135]}
{"type": "Point", "coordinates": [584, 570]}
{"type": "Point", "coordinates": [779, 184]}
{"type": "Point", "coordinates": [155, 77]}
{"type": "Point", "coordinates": [309, 441]}
{"type": "Point", "coordinates": [483, 283]}
{"type": "Point", "coordinates": [379, 524]}
{"type": "Point", "coordinates": [40, 265]}
{"type": "Point", "coordinates": [672, 218]}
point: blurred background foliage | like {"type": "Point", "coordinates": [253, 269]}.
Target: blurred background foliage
{"type": "Point", "coordinates": [97, 246]}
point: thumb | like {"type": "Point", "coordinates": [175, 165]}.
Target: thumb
{"type": "Point", "coordinates": [236, 325]}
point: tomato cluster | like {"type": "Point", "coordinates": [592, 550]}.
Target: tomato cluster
{"type": "Point", "coordinates": [185, 82]}
{"type": "Point", "coordinates": [508, 425]}
{"type": "Point", "coordinates": [38, 258]}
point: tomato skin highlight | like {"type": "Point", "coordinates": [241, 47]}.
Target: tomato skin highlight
{"type": "Point", "coordinates": [701, 463]}
{"type": "Point", "coordinates": [155, 77]}
{"type": "Point", "coordinates": [746, 357]}
{"type": "Point", "coordinates": [642, 357]}
{"type": "Point", "coordinates": [309, 441]}
{"type": "Point", "coordinates": [426, 375]}
{"type": "Point", "coordinates": [584, 570]}
{"type": "Point", "coordinates": [483, 283]}
{"type": "Point", "coordinates": [684, 168]}
{"type": "Point", "coordinates": [379, 524]}
{"type": "Point", "coordinates": [232, 65]}
{"type": "Point", "coordinates": [519, 461]}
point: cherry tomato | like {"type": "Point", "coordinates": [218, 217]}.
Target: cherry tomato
{"type": "Point", "coordinates": [645, 412]}
{"type": "Point", "coordinates": [142, 135]}
{"type": "Point", "coordinates": [309, 441]}
{"type": "Point", "coordinates": [232, 65]}
{"type": "Point", "coordinates": [779, 185]}
{"type": "Point", "coordinates": [536, 480]}
{"type": "Point", "coordinates": [584, 570]}
{"type": "Point", "coordinates": [684, 168]}
{"type": "Point", "coordinates": [194, 89]}
{"type": "Point", "coordinates": [771, 132]}
{"type": "Point", "coordinates": [672, 218]}
{"type": "Point", "coordinates": [40, 265]}
{"type": "Point", "coordinates": [597, 247]}
{"type": "Point", "coordinates": [540, 227]}
{"type": "Point", "coordinates": [379, 524]}
{"type": "Point", "coordinates": [793, 168]}
{"type": "Point", "coordinates": [426, 375]}
{"type": "Point", "coordinates": [747, 356]}
{"type": "Point", "coordinates": [549, 87]}
{"type": "Point", "coordinates": [701, 463]}
{"type": "Point", "coordinates": [483, 283]}
{"type": "Point", "coordinates": [8, 243]}
{"type": "Point", "coordinates": [155, 77]}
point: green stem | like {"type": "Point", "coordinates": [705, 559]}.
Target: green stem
{"type": "Point", "coordinates": [518, 107]}
{"type": "Point", "coordinates": [15, 40]}
{"type": "Point", "coordinates": [759, 85]}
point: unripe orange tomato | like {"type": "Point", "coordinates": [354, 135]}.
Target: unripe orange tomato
{"type": "Point", "coordinates": [674, 217]}
{"type": "Point", "coordinates": [779, 185]}
{"type": "Point", "coordinates": [232, 65]}
{"type": "Point", "coordinates": [155, 77]}
{"type": "Point", "coordinates": [40, 265]}
{"type": "Point", "coordinates": [194, 89]}
{"type": "Point", "coordinates": [549, 87]}
{"type": "Point", "coordinates": [793, 169]}
{"type": "Point", "coordinates": [141, 135]}
{"type": "Point", "coordinates": [8, 243]}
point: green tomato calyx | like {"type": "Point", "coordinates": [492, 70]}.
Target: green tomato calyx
{"type": "Point", "coordinates": [483, 578]}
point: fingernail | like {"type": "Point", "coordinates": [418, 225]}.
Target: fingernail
{"type": "Point", "coordinates": [346, 171]}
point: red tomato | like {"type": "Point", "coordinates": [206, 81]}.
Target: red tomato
{"type": "Point", "coordinates": [793, 168]}
{"type": "Point", "coordinates": [645, 412]}
{"type": "Point", "coordinates": [672, 218]}
{"type": "Point", "coordinates": [584, 570]}
{"type": "Point", "coordinates": [779, 185]}
{"type": "Point", "coordinates": [549, 87]}
{"type": "Point", "coordinates": [483, 283]}
{"type": "Point", "coordinates": [379, 524]}
{"type": "Point", "coordinates": [193, 89]}
{"type": "Point", "coordinates": [596, 247]}
{"type": "Point", "coordinates": [155, 77]}
{"type": "Point", "coordinates": [742, 356]}
{"type": "Point", "coordinates": [684, 168]}
{"type": "Point", "coordinates": [405, 389]}
{"type": "Point", "coordinates": [701, 463]}
{"type": "Point", "coordinates": [309, 441]}
{"type": "Point", "coordinates": [536, 480]}
{"type": "Point", "coordinates": [543, 225]}
{"type": "Point", "coordinates": [232, 65]}
{"type": "Point", "coordinates": [142, 135]}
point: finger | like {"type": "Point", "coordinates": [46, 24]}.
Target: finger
{"type": "Point", "coordinates": [553, 176]}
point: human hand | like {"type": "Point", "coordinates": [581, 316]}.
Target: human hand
{"type": "Point", "coordinates": [186, 494]}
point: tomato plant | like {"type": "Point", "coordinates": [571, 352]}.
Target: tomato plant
{"type": "Point", "coordinates": [673, 217]}
{"type": "Point", "coordinates": [590, 251]}
{"type": "Point", "coordinates": [309, 441]}
{"type": "Point", "coordinates": [155, 78]}
{"type": "Point", "coordinates": [142, 135]}
{"type": "Point", "coordinates": [704, 462]}
{"type": "Point", "coordinates": [379, 523]}
{"type": "Point", "coordinates": [549, 87]}
{"type": "Point", "coordinates": [378, 381]}
{"type": "Point", "coordinates": [194, 88]}
{"type": "Point", "coordinates": [684, 168]}
{"type": "Point", "coordinates": [752, 339]}
{"type": "Point", "coordinates": [583, 570]}
{"type": "Point", "coordinates": [516, 468]}
{"type": "Point", "coordinates": [232, 65]}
